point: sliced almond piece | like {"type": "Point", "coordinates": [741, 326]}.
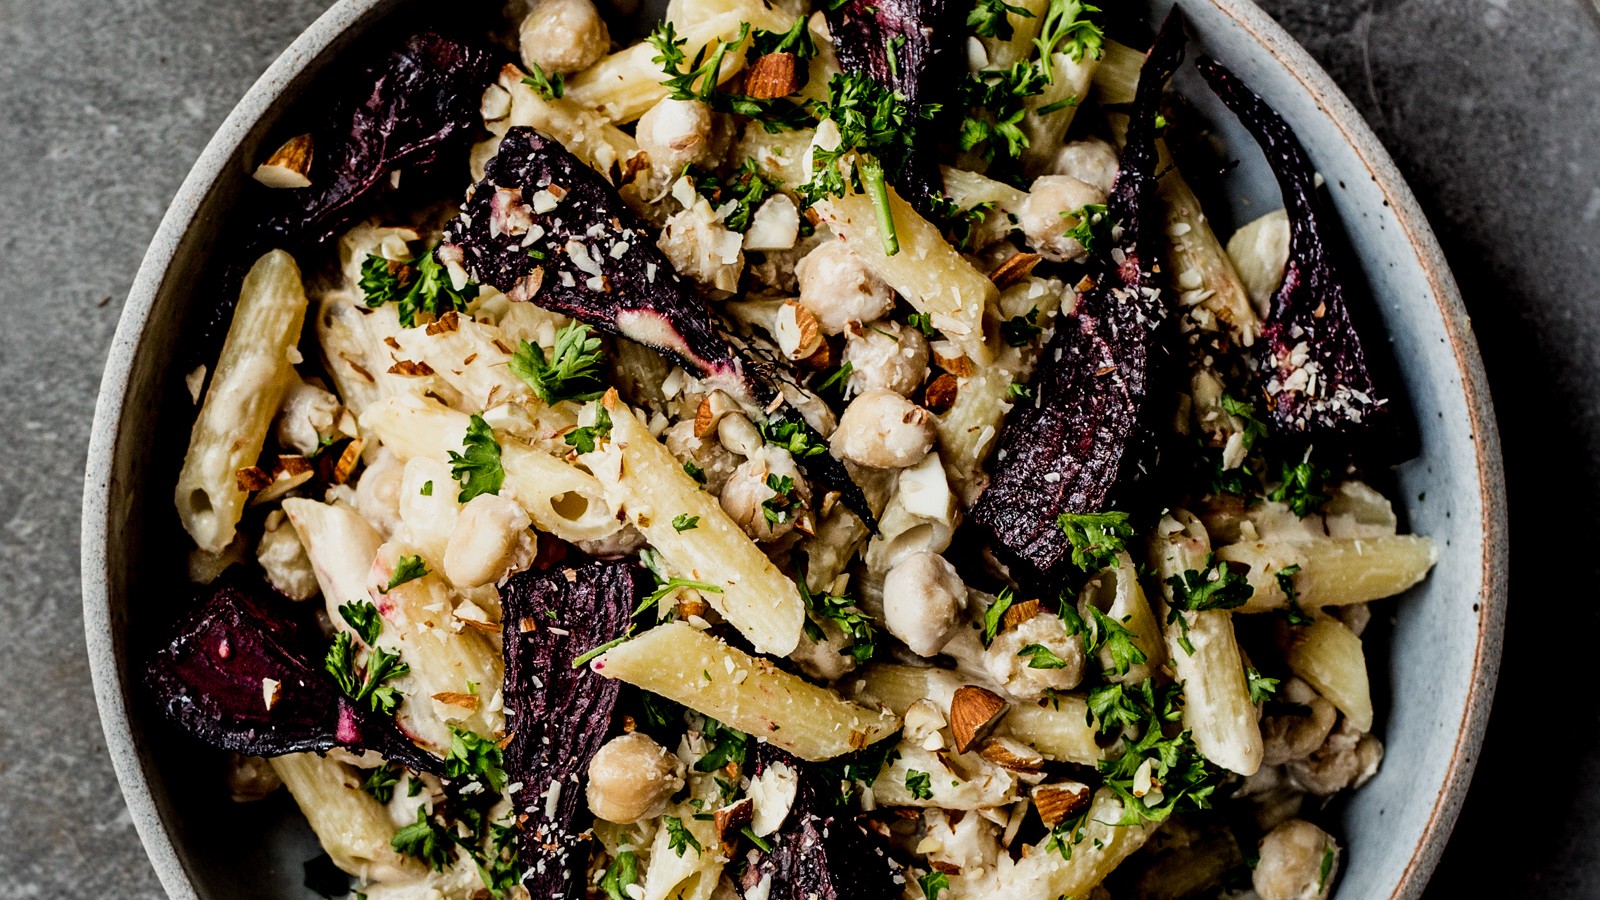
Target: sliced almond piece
{"type": "Point", "coordinates": [974, 711]}
{"type": "Point", "coordinates": [251, 478]}
{"type": "Point", "coordinates": [1060, 801]}
{"type": "Point", "coordinates": [1014, 269]}
{"type": "Point", "coordinates": [713, 408]}
{"type": "Point", "coordinates": [957, 365]}
{"type": "Point", "coordinates": [455, 698]}
{"type": "Point", "coordinates": [1019, 613]}
{"type": "Point", "coordinates": [773, 75]}
{"type": "Point", "coordinates": [730, 819]}
{"type": "Point", "coordinates": [941, 393]}
{"type": "Point", "coordinates": [1009, 754]}
{"type": "Point", "coordinates": [289, 166]}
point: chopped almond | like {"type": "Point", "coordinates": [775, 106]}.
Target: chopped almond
{"type": "Point", "coordinates": [455, 698]}
{"type": "Point", "coordinates": [1019, 613]}
{"type": "Point", "coordinates": [1059, 802]}
{"type": "Point", "coordinates": [730, 819]}
{"type": "Point", "coordinates": [1009, 754]}
{"type": "Point", "coordinates": [410, 369]}
{"type": "Point", "coordinates": [941, 393]}
{"type": "Point", "coordinates": [974, 712]}
{"type": "Point", "coordinates": [289, 166]}
{"type": "Point", "coordinates": [1014, 269]}
{"type": "Point", "coordinates": [251, 478]}
{"type": "Point", "coordinates": [773, 75]}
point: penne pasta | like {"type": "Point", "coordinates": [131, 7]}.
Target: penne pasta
{"type": "Point", "coordinates": [1116, 593]}
{"type": "Point", "coordinates": [1328, 655]}
{"type": "Point", "coordinates": [1216, 697]}
{"type": "Point", "coordinates": [645, 482]}
{"type": "Point", "coordinates": [254, 370]}
{"type": "Point", "coordinates": [969, 189]}
{"type": "Point", "coordinates": [1050, 113]}
{"type": "Point", "coordinates": [354, 829]}
{"type": "Point", "coordinates": [1048, 873]}
{"type": "Point", "coordinates": [1333, 571]}
{"type": "Point", "coordinates": [1202, 271]}
{"type": "Point", "coordinates": [744, 692]}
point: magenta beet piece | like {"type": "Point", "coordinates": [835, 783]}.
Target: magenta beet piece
{"type": "Point", "coordinates": [820, 852]}
{"type": "Point", "coordinates": [1088, 434]}
{"type": "Point", "coordinates": [542, 226]}
{"type": "Point", "coordinates": [558, 716]}
{"type": "Point", "coordinates": [409, 109]}
{"type": "Point", "coordinates": [925, 38]}
{"type": "Point", "coordinates": [1312, 365]}
{"type": "Point", "coordinates": [213, 677]}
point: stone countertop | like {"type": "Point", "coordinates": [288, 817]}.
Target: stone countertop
{"type": "Point", "coordinates": [1489, 106]}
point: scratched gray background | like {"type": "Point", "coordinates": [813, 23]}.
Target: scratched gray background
{"type": "Point", "coordinates": [1490, 106]}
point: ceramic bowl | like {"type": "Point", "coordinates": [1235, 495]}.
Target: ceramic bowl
{"type": "Point", "coordinates": [1434, 670]}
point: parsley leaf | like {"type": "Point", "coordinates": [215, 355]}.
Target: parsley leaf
{"type": "Point", "coordinates": [1096, 538]}
{"type": "Point", "coordinates": [1067, 29]}
{"type": "Point", "coordinates": [1113, 637]}
{"type": "Point", "coordinates": [549, 87]}
{"type": "Point", "coordinates": [918, 784]}
{"type": "Point", "coordinates": [1261, 687]}
{"type": "Point", "coordinates": [728, 746]}
{"type": "Point", "coordinates": [680, 84]}
{"type": "Point", "coordinates": [993, 615]}
{"type": "Point", "coordinates": [368, 689]}
{"type": "Point", "coordinates": [427, 841]}
{"type": "Point", "coordinates": [409, 568]}
{"type": "Point", "coordinates": [779, 508]}
{"type": "Point", "coordinates": [364, 619]}
{"type": "Point", "coordinates": [426, 285]}
{"type": "Point", "coordinates": [1300, 487]}
{"type": "Point", "coordinates": [1254, 429]}
{"type": "Point", "coordinates": [474, 756]}
{"type": "Point", "coordinates": [933, 884]}
{"type": "Point", "coordinates": [746, 188]}
{"type": "Point", "coordinates": [684, 522]}
{"type": "Point", "coordinates": [1016, 390]}
{"type": "Point", "coordinates": [478, 469]}
{"type": "Point", "coordinates": [679, 837]}
{"type": "Point", "coordinates": [842, 611]}
{"type": "Point", "coordinates": [1292, 613]}
{"type": "Point", "coordinates": [1019, 331]}
{"type": "Point", "coordinates": [988, 18]}
{"type": "Point", "coordinates": [1213, 588]}
{"type": "Point", "coordinates": [1324, 870]}
{"type": "Point", "coordinates": [588, 437]}
{"type": "Point", "coordinates": [1092, 228]}
{"type": "Point", "coordinates": [959, 224]}
{"type": "Point", "coordinates": [923, 322]}
{"type": "Point", "coordinates": [796, 40]}
{"type": "Point", "coordinates": [380, 782]}
{"type": "Point", "coordinates": [792, 436]}
{"type": "Point", "coordinates": [1042, 657]}
{"type": "Point", "coordinates": [993, 100]}
{"type": "Point", "coordinates": [572, 373]}
{"type": "Point", "coordinates": [693, 470]}
{"type": "Point", "coordinates": [620, 875]}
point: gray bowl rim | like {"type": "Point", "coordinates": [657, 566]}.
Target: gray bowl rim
{"type": "Point", "coordinates": [107, 673]}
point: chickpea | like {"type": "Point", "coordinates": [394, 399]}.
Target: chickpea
{"type": "Point", "coordinates": [1345, 760]}
{"type": "Point", "coordinates": [251, 778]}
{"type": "Point", "coordinates": [563, 36]}
{"type": "Point", "coordinates": [1091, 161]}
{"type": "Point", "coordinates": [631, 778]}
{"type": "Point", "coordinates": [706, 452]}
{"type": "Point", "coordinates": [1047, 216]}
{"type": "Point", "coordinates": [1292, 860]}
{"type": "Point", "coordinates": [838, 289]}
{"type": "Point", "coordinates": [1018, 674]}
{"type": "Point", "coordinates": [884, 430]}
{"type": "Point", "coordinates": [923, 599]}
{"type": "Point", "coordinates": [1291, 737]}
{"type": "Point", "coordinates": [378, 492]}
{"type": "Point", "coordinates": [306, 415]}
{"type": "Point", "coordinates": [886, 355]}
{"type": "Point", "coordinates": [490, 540]}
{"type": "Point", "coordinates": [677, 133]}
{"type": "Point", "coordinates": [748, 497]}
{"type": "Point", "coordinates": [284, 559]}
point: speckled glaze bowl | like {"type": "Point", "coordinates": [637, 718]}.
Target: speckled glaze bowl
{"type": "Point", "coordinates": [1433, 671]}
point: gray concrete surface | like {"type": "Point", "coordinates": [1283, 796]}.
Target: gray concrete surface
{"type": "Point", "coordinates": [1489, 105]}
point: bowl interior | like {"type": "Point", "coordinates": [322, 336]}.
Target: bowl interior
{"type": "Point", "coordinates": [1432, 690]}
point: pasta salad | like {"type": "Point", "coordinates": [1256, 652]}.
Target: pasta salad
{"type": "Point", "coordinates": [805, 453]}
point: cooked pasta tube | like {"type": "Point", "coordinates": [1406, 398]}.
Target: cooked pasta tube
{"type": "Point", "coordinates": [1046, 873]}
{"type": "Point", "coordinates": [780, 156]}
{"type": "Point", "coordinates": [1216, 695]}
{"type": "Point", "coordinates": [932, 276]}
{"type": "Point", "coordinates": [1333, 571]}
{"type": "Point", "coordinates": [590, 135]}
{"type": "Point", "coordinates": [969, 189]}
{"type": "Point", "coordinates": [1203, 272]}
{"type": "Point", "coordinates": [643, 481]}
{"type": "Point", "coordinates": [1328, 655]}
{"type": "Point", "coordinates": [1018, 47]}
{"type": "Point", "coordinates": [952, 781]}
{"type": "Point", "coordinates": [1116, 592]}
{"type": "Point", "coordinates": [1058, 729]}
{"type": "Point", "coordinates": [1051, 111]}
{"type": "Point", "coordinates": [560, 498]}
{"type": "Point", "coordinates": [354, 829]}
{"type": "Point", "coordinates": [744, 692]}
{"type": "Point", "coordinates": [455, 674]}
{"type": "Point", "coordinates": [682, 874]}
{"type": "Point", "coordinates": [341, 547]}
{"type": "Point", "coordinates": [1117, 77]}
{"type": "Point", "coordinates": [624, 85]}
{"type": "Point", "coordinates": [1260, 252]}
{"type": "Point", "coordinates": [254, 370]}
{"type": "Point", "coordinates": [470, 356]}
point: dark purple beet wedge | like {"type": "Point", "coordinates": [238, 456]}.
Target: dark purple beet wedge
{"type": "Point", "coordinates": [238, 677]}
{"type": "Point", "coordinates": [912, 47]}
{"type": "Point", "coordinates": [409, 109]}
{"type": "Point", "coordinates": [1089, 435]}
{"type": "Point", "coordinates": [820, 852]}
{"type": "Point", "coordinates": [1312, 365]}
{"type": "Point", "coordinates": [559, 715]}
{"type": "Point", "coordinates": [544, 227]}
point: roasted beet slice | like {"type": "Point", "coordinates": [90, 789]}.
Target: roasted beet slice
{"type": "Point", "coordinates": [820, 852]}
{"type": "Point", "coordinates": [1089, 432]}
{"type": "Point", "coordinates": [559, 715]}
{"type": "Point", "coordinates": [542, 226]}
{"type": "Point", "coordinates": [416, 103]}
{"type": "Point", "coordinates": [215, 676]}
{"type": "Point", "coordinates": [924, 38]}
{"type": "Point", "coordinates": [1312, 365]}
